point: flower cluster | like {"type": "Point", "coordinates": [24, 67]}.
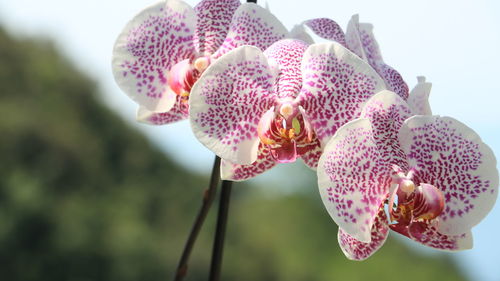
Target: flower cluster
{"type": "Point", "coordinates": [258, 95]}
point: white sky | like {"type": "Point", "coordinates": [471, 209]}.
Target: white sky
{"type": "Point", "coordinates": [455, 44]}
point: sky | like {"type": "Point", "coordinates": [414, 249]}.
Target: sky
{"type": "Point", "coordinates": [455, 44]}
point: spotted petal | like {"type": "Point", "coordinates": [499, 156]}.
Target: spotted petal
{"type": "Point", "coordinates": [387, 112]}
{"type": "Point", "coordinates": [177, 113]}
{"type": "Point", "coordinates": [228, 101]}
{"type": "Point", "coordinates": [285, 56]}
{"type": "Point", "coordinates": [252, 25]}
{"type": "Point", "coordinates": [356, 250]}
{"type": "Point", "coordinates": [353, 39]}
{"type": "Point", "coordinates": [327, 29]}
{"type": "Point", "coordinates": [149, 45]}
{"type": "Point", "coordinates": [360, 40]}
{"type": "Point", "coordinates": [354, 179]}
{"type": "Point", "coordinates": [235, 172]}
{"type": "Point", "coordinates": [452, 157]}
{"type": "Point", "coordinates": [429, 236]}
{"type": "Point", "coordinates": [214, 18]}
{"type": "Point", "coordinates": [419, 97]}
{"type": "Point", "coordinates": [311, 157]}
{"type": "Point", "coordinates": [336, 84]}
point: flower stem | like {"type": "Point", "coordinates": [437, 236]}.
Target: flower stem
{"type": "Point", "coordinates": [220, 232]}
{"type": "Point", "coordinates": [208, 198]}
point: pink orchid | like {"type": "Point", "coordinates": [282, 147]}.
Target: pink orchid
{"type": "Point", "coordinates": [256, 109]}
{"type": "Point", "coordinates": [163, 50]}
{"type": "Point", "coordinates": [429, 178]}
{"type": "Point", "coordinates": [360, 40]}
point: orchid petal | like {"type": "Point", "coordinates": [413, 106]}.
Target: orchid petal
{"type": "Point", "coordinates": [429, 236]}
{"type": "Point", "coordinates": [393, 80]}
{"type": "Point", "coordinates": [361, 41]}
{"type": "Point", "coordinates": [252, 25]}
{"type": "Point", "coordinates": [312, 155]}
{"type": "Point", "coordinates": [228, 101]}
{"type": "Point", "coordinates": [151, 43]}
{"type": "Point", "coordinates": [327, 29]}
{"type": "Point", "coordinates": [387, 105]}
{"type": "Point", "coordinates": [299, 32]}
{"type": "Point", "coordinates": [336, 84]}
{"type": "Point", "coordinates": [387, 112]}
{"type": "Point", "coordinates": [419, 97]}
{"type": "Point", "coordinates": [353, 39]}
{"type": "Point", "coordinates": [177, 113]}
{"type": "Point", "coordinates": [354, 179]}
{"type": "Point", "coordinates": [452, 157]}
{"type": "Point", "coordinates": [214, 18]}
{"type": "Point", "coordinates": [356, 250]}
{"type": "Point", "coordinates": [286, 56]}
{"type": "Point", "coordinates": [235, 172]}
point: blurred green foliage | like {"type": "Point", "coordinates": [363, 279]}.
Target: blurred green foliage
{"type": "Point", "coordinates": [84, 197]}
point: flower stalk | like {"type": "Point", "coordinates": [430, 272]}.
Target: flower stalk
{"type": "Point", "coordinates": [220, 232]}
{"type": "Point", "coordinates": [208, 198]}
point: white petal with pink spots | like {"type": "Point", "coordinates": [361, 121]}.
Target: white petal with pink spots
{"type": "Point", "coordinates": [336, 84]}
{"type": "Point", "coordinates": [140, 59]}
{"type": "Point", "coordinates": [449, 155]}
{"type": "Point", "coordinates": [252, 25]}
{"type": "Point", "coordinates": [226, 106]}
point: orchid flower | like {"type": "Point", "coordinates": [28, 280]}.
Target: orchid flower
{"type": "Point", "coordinates": [256, 109]}
{"type": "Point", "coordinates": [360, 40]}
{"type": "Point", "coordinates": [428, 178]}
{"type": "Point", "coordinates": [163, 50]}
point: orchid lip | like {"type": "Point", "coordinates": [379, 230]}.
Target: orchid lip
{"type": "Point", "coordinates": [285, 131]}
{"type": "Point", "coordinates": [410, 203]}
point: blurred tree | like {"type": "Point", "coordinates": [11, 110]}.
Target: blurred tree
{"type": "Point", "coordinates": [85, 197]}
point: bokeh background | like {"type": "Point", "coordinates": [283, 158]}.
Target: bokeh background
{"type": "Point", "coordinates": [86, 193]}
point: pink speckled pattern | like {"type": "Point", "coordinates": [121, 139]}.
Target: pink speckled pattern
{"type": "Point", "coordinates": [452, 157]}
{"type": "Point", "coordinates": [420, 232]}
{"type": "Point", "coordinates": [357, 250]}
{"type": "Point", "coordinates": [360, 40]}
{"type": "Point", "coordinates": [235, 172]}
{"type": "Point", "coordinates": [419, 97]}
{"type": "Point", "coordinates": [387, 111]}
{"type": "Point", "coordinates": [178, 112]}
{"type": "Point", "coordinates": [227, 103]}
{"type": "Point", "coordinates": [141, 56]}
{"type": "Point", "coordinates": [353, 179]}
{"type": "Point", "coordinates": [214, 18]}
{"type": "Point", "coordinates": [252, 25]}
{"type": "Point", "coordinates": [336, 84]}
{"type": "Point", "coordinates": [311, 157]}
{"type": "Point", "coordinates": [328, 29]}
{"type": "Point", "coordinates": [429, 236]}
{"type": "Point", "coordinates": [285, 58]}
